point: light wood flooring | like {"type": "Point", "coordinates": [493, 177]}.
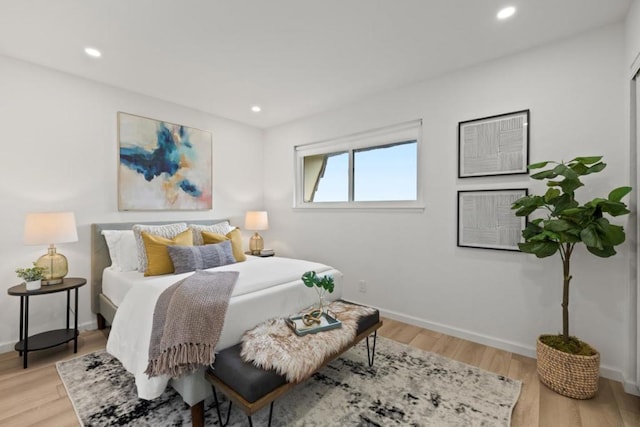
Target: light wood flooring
{"type": "Point", "coordinates": [37, 397]}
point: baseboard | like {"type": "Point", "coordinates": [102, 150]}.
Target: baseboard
{"type": "Point", "coordinates": [513, 347]}
{"type": "Point", "coordinates": [6, 347]}
{"type": "Point", "coordinates": [631, 388]}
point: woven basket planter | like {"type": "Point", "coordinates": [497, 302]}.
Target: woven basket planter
{"type": "Point", "coordinates": [568, 374]}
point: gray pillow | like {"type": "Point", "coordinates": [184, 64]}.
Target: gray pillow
{"type": "Point", "coordinates": [192, 258]}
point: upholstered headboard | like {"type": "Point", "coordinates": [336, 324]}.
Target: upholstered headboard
{"type": "Point", "coordinates": [100, 252]}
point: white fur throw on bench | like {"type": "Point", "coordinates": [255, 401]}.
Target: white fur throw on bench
{"type": "Point", "coordinates": [272, 345]}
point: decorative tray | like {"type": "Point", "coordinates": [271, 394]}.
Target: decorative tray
{"type": "Point", "coordinates": [327, 322]}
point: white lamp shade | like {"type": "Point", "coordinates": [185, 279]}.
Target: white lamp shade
{"type": "Point", "coordinates": [256, 220]}
{"type": "Point", "coordinates": [44, 228]}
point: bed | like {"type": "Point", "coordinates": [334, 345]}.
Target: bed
{"type": "Point", "coordinates": [266, 288]}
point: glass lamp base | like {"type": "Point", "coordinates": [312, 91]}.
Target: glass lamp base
{"type": "Point", "coordinates": [256, 244]}
{"type": "Point", "coordinates": [55, 267]}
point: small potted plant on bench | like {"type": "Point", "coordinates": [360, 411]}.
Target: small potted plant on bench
{"type": "Point", "coordinates": [322, 285]}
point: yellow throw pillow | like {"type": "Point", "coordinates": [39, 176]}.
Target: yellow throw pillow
{"type": "Point", "coordinates": [236, 242]}
{"type": "Point", "coordinates": [158, 259]}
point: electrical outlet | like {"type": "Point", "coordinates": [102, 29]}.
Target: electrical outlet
{"type": "Point", "coordinates": [362, 286]}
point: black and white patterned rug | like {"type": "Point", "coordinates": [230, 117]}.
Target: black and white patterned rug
{"type": "Point", "coordinates": [406, 386]}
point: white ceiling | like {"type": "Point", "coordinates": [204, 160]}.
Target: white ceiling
{"type": "Point", "coordinates": [293, 57]}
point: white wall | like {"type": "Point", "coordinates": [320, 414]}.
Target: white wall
{"type": "Point", "coordinates": [59, 152]}
{"type": "Point", "coordinates": [410, 261]}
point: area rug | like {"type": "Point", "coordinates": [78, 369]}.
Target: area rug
{"type": "Point", "coordinates": [406, 386]}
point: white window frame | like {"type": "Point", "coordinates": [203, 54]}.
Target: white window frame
{"type": "Point", "coordinates": [386, 136]}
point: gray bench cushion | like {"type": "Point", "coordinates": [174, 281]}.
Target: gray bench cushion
{"type": "Point", "coordinates": [251, 382]}
{"type": "Point", "coordinates": [247, 380]}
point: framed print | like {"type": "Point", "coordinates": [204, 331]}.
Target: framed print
{"type": "Point", "coordinates": [163, 166]}
{"type": "Point", "coordinates": [496, 145]}
{"type": "Point", "coordinates": [486, 220]}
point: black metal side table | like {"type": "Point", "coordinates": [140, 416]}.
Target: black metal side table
{"type": "Point", "coordinates": [50, 338]}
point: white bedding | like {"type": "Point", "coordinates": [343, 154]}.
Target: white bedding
{"type": "Point", "coordinates": [266, 288]}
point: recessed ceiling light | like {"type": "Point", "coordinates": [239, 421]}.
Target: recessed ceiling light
{"type": "Point", "coordinates": [93, 52]}
{"type": "Point", "coordinates": [256, 109]}
{"type": "Point", "coordinates": [507, 12]}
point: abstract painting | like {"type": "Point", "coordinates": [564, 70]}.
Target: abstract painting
{"type": "Point", "coordinates": [496, 145]}
{"type": "Point", "coordinates": [162, 166]}
{"type": "Point", "coordinates": [485, 219]}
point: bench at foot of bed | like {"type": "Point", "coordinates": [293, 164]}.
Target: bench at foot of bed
{"type": "Point", "coordinates": [252, 388]}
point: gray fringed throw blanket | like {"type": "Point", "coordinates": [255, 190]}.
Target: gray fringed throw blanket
{"type": "Point", "coordinates": [187, 322]}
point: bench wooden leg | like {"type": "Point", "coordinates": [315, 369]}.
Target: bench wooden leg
{"type": "Point", "coordinates": [372, 354]}
{"type": "Point", "coordinates": [215, 398]}
{"type": "Point", "coordinates": [197, 414]}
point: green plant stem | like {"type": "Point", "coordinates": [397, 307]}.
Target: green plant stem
{"type": "Point", "coordinates": [320, 295]}
{"type": "Point", "coordinates": [565, 253]}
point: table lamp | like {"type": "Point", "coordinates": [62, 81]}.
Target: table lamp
{"type": "Point", "coordinates": [50, 228]}
{"type": "Point", "coordinates": [255, 221]}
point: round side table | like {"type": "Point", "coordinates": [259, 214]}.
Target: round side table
{"type": "Point", "coordinates": [50, 338]}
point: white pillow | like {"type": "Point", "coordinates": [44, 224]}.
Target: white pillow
{"type": "Point", "coordinates": [168, 231]}
{"type": "Point", "coordinates": [122, 249]}
{"type": "Point", "coordinates": [219, 228]}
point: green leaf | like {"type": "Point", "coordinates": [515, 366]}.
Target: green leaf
{"type": "Point", "coordinates": [589, 236]}
{"type": "Point", "coordinates": [579, 168]}
{"type": "Point", "coordinates": [557, 225]}
{"type": "Point", "coordinates": [573, 211]}
{"type": "Point", "coordinates": [565, 171]}
{"type": "Point", "coordinates": [571, 236]}
{"type": "Point", "coordinates": [614, 208]}
{"type": "Point", "coordinates": [309, 279]}
{"type": "Point", "coordinates": [526, 210]}
{"type": "Point", "coordinates": [544, 236]}
{"type": "Point", "coordinates": [528, 201]}
{"type": "Point", "coordinates": [610, 234]}
{"type": "Point", "coordinates": [595, 202]}
{"type": "Point", "coordinates": [617, 194]}
{"type": "Point", "coordinates": [539, 249]}
{"type": "Point", "coordinates": [596, 168]}
{"type": "Point", "coordinates": [605, 252]}
{"type": "Point", "coordinates": [551, 194]}
{"type": "Point", "coordinates": [569, 185]}
{"type": "Point", "coordinates": [544, 175]}
{"type": "Point", "coordinates": [532, 229]}
{"type": "Point", "coordinates": [562, 203]}
{"type": "Point", "coordinates": [538, 165]}
{"type": "Point", "coordinates": [588, 160]}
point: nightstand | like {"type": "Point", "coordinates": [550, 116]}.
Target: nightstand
{"type": "Point", "coordinates": [50, 338]}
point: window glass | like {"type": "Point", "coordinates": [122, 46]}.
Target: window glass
{"type": "Point", "coordinates": [326, 177]}
{"type": "Point", "coordinates": [373, 169]}
{"type": "Point", "coordinates": [386, 173]}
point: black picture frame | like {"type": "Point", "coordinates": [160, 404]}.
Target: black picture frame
{"type": "Point", "coordinates": [486, 220]}
{"type": "Point", "coordinates": [494, 145]}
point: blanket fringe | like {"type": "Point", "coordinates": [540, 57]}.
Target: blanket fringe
{"type": "Point", "coordinates": [180, 359]}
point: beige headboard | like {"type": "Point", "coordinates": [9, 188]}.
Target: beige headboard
{"type": "Point", "coordinates": [100, 253]}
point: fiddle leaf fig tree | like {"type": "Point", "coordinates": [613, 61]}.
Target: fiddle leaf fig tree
{"type": "Point", "coordinates": [566, 222]}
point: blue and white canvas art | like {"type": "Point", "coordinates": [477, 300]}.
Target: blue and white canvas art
{"type": "Point", "coordinates": [163, 166]}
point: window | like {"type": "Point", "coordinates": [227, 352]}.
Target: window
{"type": "Point", "coordinates": [371, 169]}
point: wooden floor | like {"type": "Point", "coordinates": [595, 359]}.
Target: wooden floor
{"type": "Point", "coordinates": [37, 397]}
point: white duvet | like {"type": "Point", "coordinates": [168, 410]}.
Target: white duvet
{"type": "Point", "coordinates": [266, 288]}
